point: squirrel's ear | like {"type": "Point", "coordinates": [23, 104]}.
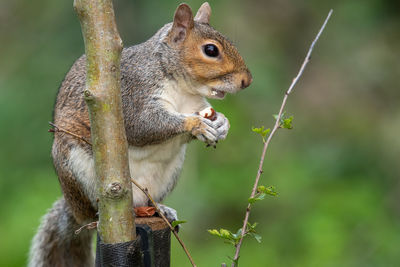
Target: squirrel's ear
{"type": "Point", "coordinates": [183, 23]}
{"type": "Point", "coordinates": [203, 14]}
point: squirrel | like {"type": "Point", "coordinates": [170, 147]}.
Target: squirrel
{"type": "Point", "coordinates": [164, 84]}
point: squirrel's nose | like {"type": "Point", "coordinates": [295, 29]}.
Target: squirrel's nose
{"type": "Point", "coordinates": [246, 80]}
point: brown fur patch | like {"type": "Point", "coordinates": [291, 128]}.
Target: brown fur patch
{"type": "Point", "coordinates": [192, 123]}
{"type": "Point", "coordinates": [228, 69]}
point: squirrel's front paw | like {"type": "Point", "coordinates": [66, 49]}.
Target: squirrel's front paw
{"type": "Point", "coordinates": [222, 125]}
{"type": "Point", "coordinates": [206, 130]}
{"type": "Point", "coordinates": [202, 128]}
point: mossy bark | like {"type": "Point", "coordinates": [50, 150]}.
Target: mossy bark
{"type": "Point", "coordinates": [103, 48]}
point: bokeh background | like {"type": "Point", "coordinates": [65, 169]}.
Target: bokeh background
{"type": "Point", "coordinates": [336, 172]}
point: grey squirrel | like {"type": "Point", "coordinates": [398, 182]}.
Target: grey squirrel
{"type": "Point", "coordinates": [164, 84]}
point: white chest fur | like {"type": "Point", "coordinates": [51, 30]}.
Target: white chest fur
{"type": "Point", "coordinates": [181, 97]}
{"type": "Point", "coordinates": [154, 167]}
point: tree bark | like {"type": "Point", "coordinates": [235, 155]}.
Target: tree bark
{"type": "Point", "coordinates": [103, 48]}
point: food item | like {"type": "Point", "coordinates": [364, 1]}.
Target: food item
{"type": "Point", "coordinates": [208, 113]}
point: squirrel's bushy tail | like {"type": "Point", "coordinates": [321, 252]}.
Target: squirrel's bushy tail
{"type": "Point", "coordinates": [56, 244]}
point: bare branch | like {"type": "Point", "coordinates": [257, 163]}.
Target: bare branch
{"type": "Point", "coordinates": [165, 219]}
{"type": "Point", "coordinates": [276, 127]}
{"type": "Point", "coordinates": [89, 226]}
{"type": "Point", "coordinates": [57, 129]}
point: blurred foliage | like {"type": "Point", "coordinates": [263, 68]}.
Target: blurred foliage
{"type": "Point", "coordinates": [336, 171]}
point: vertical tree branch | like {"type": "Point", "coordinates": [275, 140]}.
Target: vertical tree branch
{"type": "Point", "coordinates": [276, 127]}
{"type": "Point", "coordinates": [103, 48]}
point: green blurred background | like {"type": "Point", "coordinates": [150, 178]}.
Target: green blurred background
{"type": "Point", "coordinates": [336, 172]}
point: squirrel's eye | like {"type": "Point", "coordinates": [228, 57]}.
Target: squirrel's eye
{"type": "Point", "coordinates": [211, 50]}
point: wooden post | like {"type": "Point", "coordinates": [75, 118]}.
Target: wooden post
{"type": "Point", "coordinates": [103, 48]}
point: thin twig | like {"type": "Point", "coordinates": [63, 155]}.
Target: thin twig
{"type": "Point", "coordinates": [165, 219]}
{"type": "Point", "coordinates": [276, 126]}
{"type": "Point", "coordinates": [59, 129]}
{"type": "Point", "coordinates": [88, 226]}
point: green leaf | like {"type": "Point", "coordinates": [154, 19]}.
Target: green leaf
{"type": "Point", "coordinates": [261, 188]}
{"type": "Point", "coordinates": [287, 123]}
{"type": "Point", "coordinates": [225, 233]}
{"type": "Point", "coordinates": [233, 239]}
{"type": "Point", "coordinates": [257, 237]}
{"type": "Point", "coordinates": [175, 223]}
{"type": "Point", "coordinates": [284, 122]}
{"type": "Point", "coordinates": [251, 227]}
{"type": "Point", "coordinates": [257, 130]}
{"type": "Point", "coordinates": [262, 191]}
{"type": "Point", "coordinates": [238, 234]}
{"type": "Point", "coordinates": [252, 200]}
{"type": "Point", "coordinates": [270, 190]}
{"type": "Point", "coordinates": [257, 197]}
{"type": "Point", "coordinates": [261, 131]}
{"type": "Point", "coordinates": [213, 232]}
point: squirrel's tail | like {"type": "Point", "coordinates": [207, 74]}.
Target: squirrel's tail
{"type": "Point", "coordinates": [56, 244]}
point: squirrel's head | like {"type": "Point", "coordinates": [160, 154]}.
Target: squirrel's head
{"type": "Point", "coordinates": [208, 57]}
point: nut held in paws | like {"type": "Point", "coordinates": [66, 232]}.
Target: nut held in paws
{"type": "Point", "coordinates": [208, 113]}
